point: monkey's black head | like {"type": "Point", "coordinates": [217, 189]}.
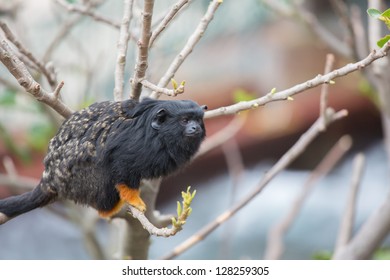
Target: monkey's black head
{"type": "Point", "coordinates": [175, 125]}
{"type": "Point", "coordinates": [181, 119]}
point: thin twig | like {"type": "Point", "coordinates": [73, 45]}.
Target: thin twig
{"type": "Point", "coordinates": [222, 135]}
{"type": "Point", "coordinates": [166, 91]}
{"type": "Point", "coordinates": [167, 19]}
{"type": "Point", "coordinates": [143, 50]}
{"type": "Point", "coordinates": [342, 11]}
{"type": "Point", "coordinates": [275, 245]}
{"type": "Point", "coordinates": [50, 75]}
{"type": "Point", "coordinates": [124, 36]}
{"type": "Point", "coordinates": [61, 35]}
{"type": "Point", "coordinates": [24, 78]}
{"type": "Point", "coordinates": [325, 87]}
{"type": "Point", "coordinates": [189, 46]}
{"type": "Point", "coordinates": [360, 44]}
{"type": "Point", "coordinates": [296, 11]}
{"type": "Point", "coordinates": [285, 94]}
{"type": "Point", "coordinates": [372, 233]}
{"type": "Point", "coordinates": [374, 25]}
{"type": "Point", "coordinates": [347, 221]}
{"type": "Point", "coordinates": [19, 182]}
{"type": "Point", "coordinates": [283, 162]}
{"type": "Point", "coordinates": [184, 210]}
{"type": "Point", "coordinates": [86, 11]}
{"type": "Point", "coordinates": [9, 167]}
{"type": "Point", "coordinates": [236, 168]}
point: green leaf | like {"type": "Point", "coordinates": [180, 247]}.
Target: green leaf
{"type": "Point", "coordinates": [174, 84]}
{"type": "Point", "coordinates": [374, 13]}
{"type": "Point", "coordinates": [381, 42]}
{"type": "Point", "coordinates": [386, 13]}
{"type": "Point", "coordinates": [179, 209]}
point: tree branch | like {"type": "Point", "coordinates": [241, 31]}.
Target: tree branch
{"type": "Point", "coordinates": [167, 19]}
{"type": "Point", "coordinates": [347, 221]}
{"type": "Point", "coordinates": [325, 87]}
{"type": "Point", "coordinates": [177, 224]}
{"type": "Point", "coordinates": [143, 50]}
{"type": "Point", "coordinates": [86, 11]}
{"type": "Point", "coordinates": [285, 94]}
{"type": "Point", "coordinates": [50, 75]}
{"type": "Point", "coordinates": [166, 91]}
{"type": "Point", "coordinates": [275, 245]}
{"type": "Point", "coordinates": [295, 10]}
{"type": "Point", "coordinates": [189, 46]}
{"type": "Point", "coordinates": [24, 78]}
{"type": "Point", "coordinates": [370, 235]}
{"type": "Point", "coordinates": [124, 36]}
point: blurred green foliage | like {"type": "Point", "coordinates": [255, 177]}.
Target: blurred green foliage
{"type": "Point", "coordinates": [242, 95]}
{"type": "Point", "coordinates": [38, 133]}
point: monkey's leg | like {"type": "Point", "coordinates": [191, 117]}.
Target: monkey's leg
{"type": "Point", "coordinates": [127, 195]}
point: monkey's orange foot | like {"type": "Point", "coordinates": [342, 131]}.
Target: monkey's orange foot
{"type": "Point", "coordinates": [112, 212]}
{"type": "Point", "coordinates": [131, 196]}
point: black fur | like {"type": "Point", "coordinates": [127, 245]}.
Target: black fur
{"type": "Point", "coordinates": [110, 143]}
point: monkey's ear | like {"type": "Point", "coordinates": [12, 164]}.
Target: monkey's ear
{"type": "Point", "coordinates": [159, 119]}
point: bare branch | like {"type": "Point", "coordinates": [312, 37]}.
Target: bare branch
{"type": "Point", "coordinates": [18, 182]}
{"type": "Point", "coordinates": [167, 19]}
{"type": "Point", "coordinates": [189, 46]}
{"type": "Point", "coordinates": [50, 75]}
{"type": "Point", "coordinates": [61, 35]}
{"type": "Point", "coordinates": [360, 44]}
{"type": "Point", "coordinates": [24, 78]}
{"type": "Point", "coordinates": [341, 9]}
{"type": "Point", "coordinates": [86, 11]}
{"type": "Point", "coordinates": [283, 162]}
{"type": "Point", "coordinates": [222, 135]}
{"type": "Point", "coordinates": [143, 50]}
{"type": "Point", "coordinates": [370, 235]}
{"type": "Point", "coordinates": [285, 94]}
{"type": "Point", "coordinates": [183, 212]}
{"type": "Point", "coordinates": [374, 25]}
{"type": "Point", "coordinates": [325, 87]}
{"type": "Point", "coordinates": [168, 92]}
{"type": "Point", "coordinates": [347, 221]}
{"type": "Point", "coordinates": [275, 245]}
{"type": "Point", "coordinates": [295, 10]}
{"type": "Point", "coordinates": [124, 36]}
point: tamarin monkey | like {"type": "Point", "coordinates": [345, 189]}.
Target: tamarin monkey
{"type": "Point", "coordinates": [100, 154]}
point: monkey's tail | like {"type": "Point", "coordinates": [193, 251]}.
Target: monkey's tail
{"type": "Point", "coordinates": [13, 206]}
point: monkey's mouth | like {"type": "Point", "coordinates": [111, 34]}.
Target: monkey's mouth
{"type": "Point", "coordinates": [194, 134]}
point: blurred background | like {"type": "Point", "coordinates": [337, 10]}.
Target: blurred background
{"type": "Point", "coordinates": [247, 50]}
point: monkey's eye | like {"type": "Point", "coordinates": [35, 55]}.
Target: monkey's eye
{"type": "Point", "coordinates": [184, 120]}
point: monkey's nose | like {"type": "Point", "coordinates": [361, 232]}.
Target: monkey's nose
{"type": "Point", "coordinates": [193, 130]}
